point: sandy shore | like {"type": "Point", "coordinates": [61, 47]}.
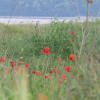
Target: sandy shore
{"type": "Point", "coordinates": [40, 20]}
{"type": "Point", "coordinates": [25, 21]}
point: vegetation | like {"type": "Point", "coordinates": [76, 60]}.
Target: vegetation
{"type": "Point", "coordinates": [58, 61]}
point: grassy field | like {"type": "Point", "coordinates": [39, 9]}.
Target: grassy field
{"type": "Point", "coordinates": [58, 61]}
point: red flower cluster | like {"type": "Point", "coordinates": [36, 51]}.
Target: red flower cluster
{"type": "Point", "coordinates": [47, 76]}
{"type": "Point", "coordinates": [42, 97]}
{"type": "Point", "coordinates": [46, 51]}
{"type": "Point", "coordinates": [36, 72]}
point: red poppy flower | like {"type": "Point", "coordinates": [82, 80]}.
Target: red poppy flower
{"type": "Point", "coordinates": [16, 68]}
{"type": "Point", "coordinates": [60, 81]}
{"type": "Point", "coordinates": [73, 33]}
{"type": "Point", "coordinates": [96, 54]}
{"type": "Point", "coordinates": [42, 97]}
{"type": "Point", "coordinates": [6, 71]}
{"type": "Point", "coordinates": [38, 72]}
{"type": "Point", "coordinates": [3, 59]}
{"type": "Point", "coordinates": [73, 39]}
{"type": "Point", "coordinates": [56, 70]}
{"type": "Point", "coordinates": [63, 76]}
{"type": "Point", "coordinates": [47, 76]}
{"type": "Point", "coordinates": [26, 65]}
{"type": "Point", "coordinates": [46, 51]}
{"type": "Point", "coordinates": [68, 68]}
{"type": "Point", "coordinates": [12, 63]}
{"type": "Point", "coordinates": [89, 59]}
{"type": "Point", "coordinates": [22, 70]}
{"type": "Point", "coordinates": [20, 63]}
{"type": "Point", "coordinates": [59, 59]}
{"type": "Point", "coordinates": [50, 71]}
{"type": "Point", "coordinates": [33, 71]}
{"type": "Point", "coordinates": [9, 57]}
{"type": "Point", "coordinates": [72, 57]}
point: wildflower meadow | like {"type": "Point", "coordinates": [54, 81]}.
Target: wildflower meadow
{"type": "Point", "coordinates": [57, 61]}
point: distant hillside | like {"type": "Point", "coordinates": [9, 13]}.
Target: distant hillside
{"type": "Point", "coordinates": [47, 8]}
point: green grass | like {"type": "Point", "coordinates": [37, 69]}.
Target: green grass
{"type": "Point", "coordinates": [25, 43]}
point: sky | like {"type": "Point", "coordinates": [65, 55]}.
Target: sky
{"type": "Point", "coordinates": [60, 8]}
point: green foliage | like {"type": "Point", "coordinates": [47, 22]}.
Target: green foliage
{"type": "Point", "coordinates": [25, 43]}
{"type": "Point", "coordinates": [31, 40]}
